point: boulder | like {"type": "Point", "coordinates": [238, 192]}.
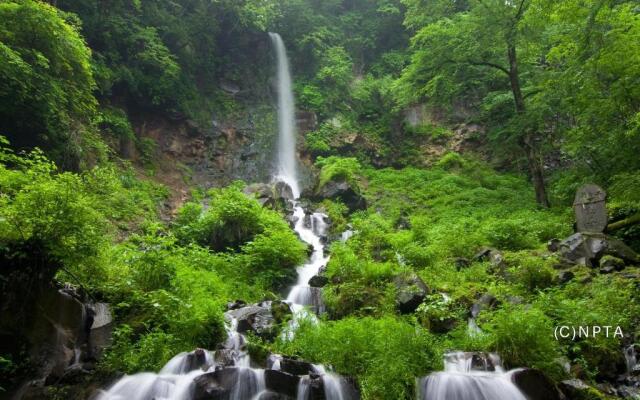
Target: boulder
{"type": "Point", "coordinates": [611, 262]}
{"type": "Point", "coordinates": [553, 245]}
{"type": "Point", "coordinates": [575, 389]}
{"type": "Point", "coordinates": [318, 281]}
{"type": "Point", "coordinates": [269, 395]}
{"type": "Point", "coordinates": [485, 302]}
{"type": "Point", "coordinates": [461, 263]}
{"type": "Point", "coordinates": [215, 385]}
{"type": "Point", "coordinates": [255, 318]}
{"type": "Point", "coordinates": [565, 277]}
{"type": "Point", "coordinates": [295, 367]}
{"type": "Point", "coordinates": [275, 196]}
{"type": "Point", "coordinates": [340, 189]}
{"type": "Point", "coordinates": [281, 382]}
{"type": "Point", "coordinates": [411, 291]}
{"type": "Point", "coordinates": [589, 248]}
{"type": "Point", "coordinates": [234, 305]}
{"type": "Point", "coordinates": [280, 310]}
{"type": "Point", "coordinates": [536, 385]}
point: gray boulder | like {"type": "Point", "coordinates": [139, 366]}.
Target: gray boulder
{"type": "Point", "coordinates": [575, 389]}
{"type": "Point", "coordinates": [281, 382]}
{"type": "Point", "coordinates": [536, 385]}
{"type": "Point", "coordinates": [411, 291]}
{"type": "Point", "coordinates": [589, 248]}
{"type": "Point", "coordinates": [340, 189]}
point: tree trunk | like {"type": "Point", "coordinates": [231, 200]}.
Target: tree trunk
{"type": "Point", "coordinates": [528, 141]}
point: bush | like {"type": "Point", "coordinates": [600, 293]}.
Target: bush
{"type": "Point", "coordinates": [524, 338]}
{"type": "Point", "coordinates": [384, 355]}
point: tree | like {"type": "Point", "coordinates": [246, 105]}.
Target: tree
{"type": "Point", "coordinates": [46, 82]}
{"type": "Point", "coordinates": [474, 50]}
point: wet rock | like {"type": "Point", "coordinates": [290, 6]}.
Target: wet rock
{"type": "Point", "coordinates": [575, 389]}
{"type": "Point", "coordinates": [295, 367]}
{"type": "Point", "coordinates": [589, 248]}
{"type": "Point", "coordinates": [340, 189]}
{"type": "Point", "coordinates": [411, 291]}
{"type": "Point", "coordinates": [275, 196]}
{"type": "Point", "coordinates": [565, 277]}
{"type": "Point", "coordinates": [485, 302]}
{"type": "Point", "coordinates": [281, 382]}
{"type": "Point", "coordinates": [536, 385]}
{"type": "Point", "coordinates": [461, 263]}
{"type": "Point", "coordinates": [607, 270]}
{"type": "Point", "coordinates": [612, 263]}
{"type": "Point", "coordinates": [493, 256]}
{"type": "Point", "coordinates": [280, 310]}
{"type": "Point", "coordinates": [215, 385]}
{"type": "Point", "coordinates": [318, 281]}
{"type": "Point", "coordinates": [255, 318]}
{"type": "Point", "coordinates": [236, 304]}
{"type": "Point", "coordinates": [225, 357]}
{"type": "Point", "coordinates": [283, 191]}
{"type": "Point", "coordinates": [269, 395]}
{"type": "Point", "coordinates": [553, 245]}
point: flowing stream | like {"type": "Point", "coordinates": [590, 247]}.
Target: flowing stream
{"type": "Point", "coordinates": [464, 379]}
{"type": "Point", "coordinates": [176, 380]}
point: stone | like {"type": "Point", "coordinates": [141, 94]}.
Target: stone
{"type": "Point", "coordinates": [283, 191]}
{"type": "Point", "coordinates": [215, 385]}
{"type": "Point", "coordinates": [411, 291]}
{"type": "Point", "coordinates": [340, 189]}
{"type": "Point", "coordinates": [483, 254]}
{"type": "Point", "coordinates": [461, 263]}
{"type": "Point", "coordinates": [485, 302]}
{"type": "Point", "coordinates": [612, 262]}
{"type": "Point", "coordinates": [535, 385]}
{"type": "Point", "coordinates": [590, 209]}
{"type": "Point", "coordinates": [295, 367]}
{"type": "Point", "coordinates": [575, 389]}
{"type": "Point", "coordinates": [565, 277]}
{"type": "Point", "coordinates": [318, 281]}
{"type": "Point", "coordinates": [280, 310]}
{"type": "Point", "coordinates": [255, 318]}
{"type": "Point", "coordinates": [589, 248]}
{"type": "Point", "coordinates": [234, 305]}
{"type": "Point", "coordinates": [281, 382]}
{"type": "Point", "coordinates": [607, 270]}
{"type": "Point", "coordinates": [269, 395]}
{"type": "Point", "coordinates": [553, 245]}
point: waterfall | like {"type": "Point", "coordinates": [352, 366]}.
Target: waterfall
{"type": "Point", "coordinates": [462, 380]}
{"type": "Point", "coordinates": [177, 380]}
{"type": "Point", "coordinates": [286, 156]}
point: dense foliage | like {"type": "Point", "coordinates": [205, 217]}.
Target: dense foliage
{"type": "Point", "coordinates": [465, 125]}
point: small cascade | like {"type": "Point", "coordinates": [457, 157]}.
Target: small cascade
{"type": "Point", "coordinates": [302, 295]}
{"type": "Point", "coordinates": [333, 386]}
{"type": "Point", "coordinates": [631, 358]}
{"type": "Point", "coordinates": [174, 381]}
{"type": "Point", "coordinates": [468, 376]}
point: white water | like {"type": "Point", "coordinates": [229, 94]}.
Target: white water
{"type": "Point", "coordinates": [459, 381]}
{"type": "Point", "coordinates": [173, 382]}
{"type": "Point", "coordinates": [286, 156]}
{"type": "Point", "coordinates": [301, 296]}
{"type": "Point", "coordinates": [176, 380]}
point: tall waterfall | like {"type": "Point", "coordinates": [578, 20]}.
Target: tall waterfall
{"type": "Point", "coordinates": [286, 157]}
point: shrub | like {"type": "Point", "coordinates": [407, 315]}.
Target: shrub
{"type": "Point", "coordinates": [385, 355]}
{"type": "Point", "coordinates": [524, 337]}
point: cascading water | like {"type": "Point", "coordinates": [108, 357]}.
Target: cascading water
{"type": "Point", "coordinates": [302, 295]}
{"type": "Point", "coordinates": [287, 166]}
{"type": "Point", "coordinates": [462, 380]}
{"type": "Point", "coordinates": [177, 380]}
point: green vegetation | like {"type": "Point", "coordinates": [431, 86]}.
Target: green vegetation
{"type": "Point", "coordinates": [467, 127]}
